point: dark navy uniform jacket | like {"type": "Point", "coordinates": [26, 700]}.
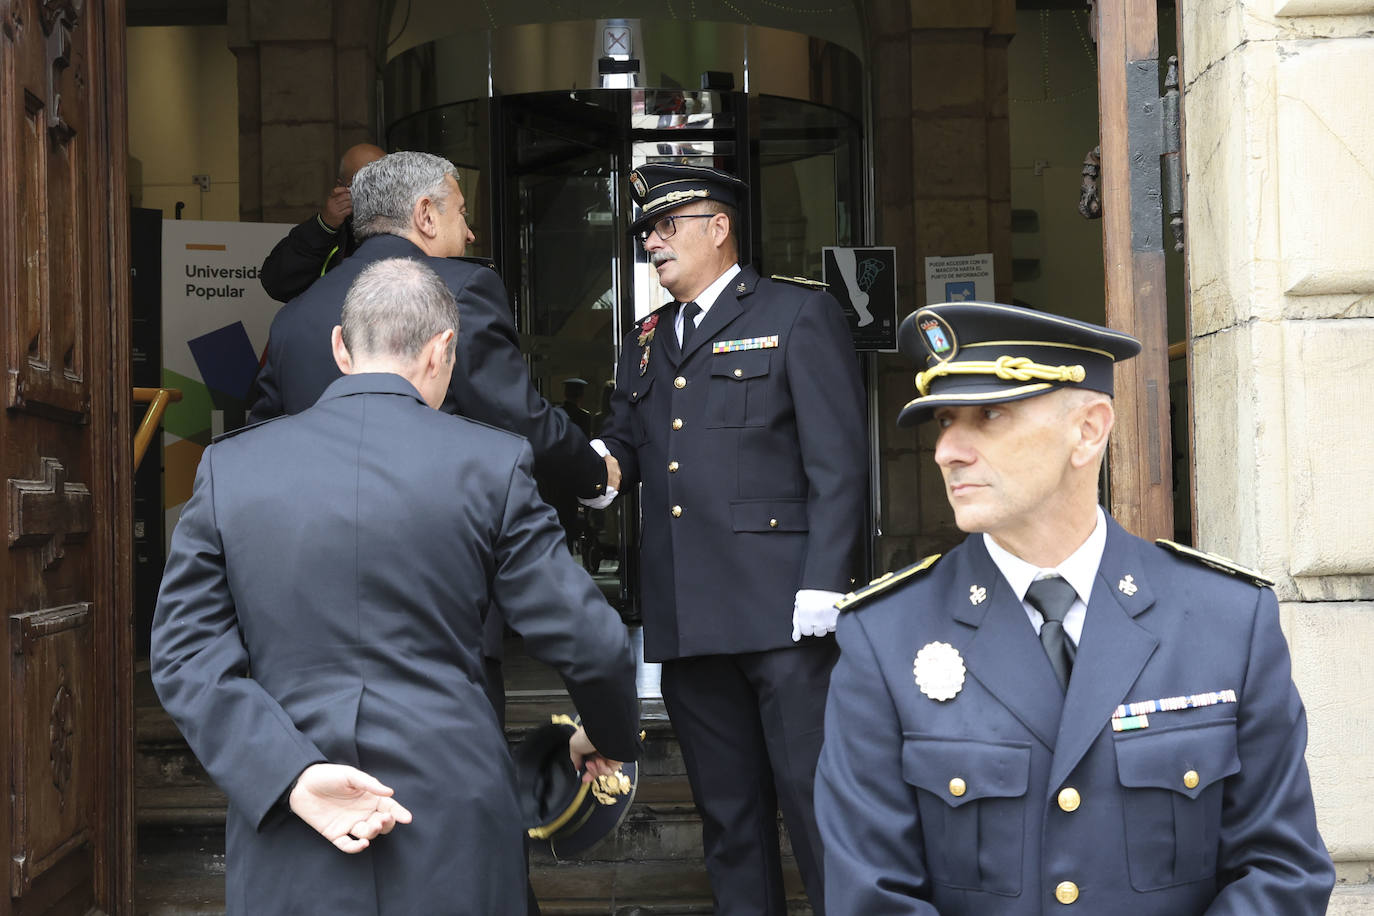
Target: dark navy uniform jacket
{"type": "Point", "coordinates": [753, 465]}
{"type": "Point", "coordinates": [323, 601]}
{"type": "Point", "coordinates": [491, 381]}
{"type": "Point", "coordinates": [1012, 799]}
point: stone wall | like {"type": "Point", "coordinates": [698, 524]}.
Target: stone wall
{"type": "Point", "coordinates": [306, 93]}
{"type": "Point", "coordinates": [942, 186]}
{"type": "Point", "coordinates": [1279, 146]}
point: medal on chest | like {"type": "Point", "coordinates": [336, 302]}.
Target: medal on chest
{"type": "Point", "coordinates": [646, 337]}
{"type": "Point", "coordinates": [939, 671]}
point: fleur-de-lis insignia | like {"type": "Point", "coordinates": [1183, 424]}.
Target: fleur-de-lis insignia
{"type": "Point", "coordinates": [741, 287]}
{"type": "Point", "coordinates": [977, 595]}
{"type": "Point", "coordinates": [1128, 586]}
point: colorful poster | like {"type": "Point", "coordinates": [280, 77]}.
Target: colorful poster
{"type": "Point", "coordinates": [215, 317]}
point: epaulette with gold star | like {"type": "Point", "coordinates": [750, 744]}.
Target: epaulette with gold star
{"type": "Point", "coordinates": [1217, 562]}
{"type": "Point", "coordinates": [884, 582]}
{"type": "Point", "coordinates": [802, 281]}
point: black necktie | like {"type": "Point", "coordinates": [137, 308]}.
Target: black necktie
{"type": "Point", "coordinates": [1053, 597]}
{"type": "Point", "coordinates": [690, 311]}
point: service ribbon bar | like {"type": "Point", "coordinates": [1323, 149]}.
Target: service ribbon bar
{"type": "Point", "coordinates": [747, 343]}
{"type": "Point", "coordinates": [1130, 723]}
{"type": "Point", "coordinates": [1173, 704]}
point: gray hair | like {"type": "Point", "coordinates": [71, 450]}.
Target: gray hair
{"type": "Point", "coordinates": [394, 308]}
{"type": "Point", "coordinates": [385, 192]}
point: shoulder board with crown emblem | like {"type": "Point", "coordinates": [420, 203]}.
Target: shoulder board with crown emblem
{"type": "Point", "coordinates": [1217, 562]}
{"type": "Point", "coordinates": [802, 281]}
{"type": "Point", "coordinates": [884, 582]}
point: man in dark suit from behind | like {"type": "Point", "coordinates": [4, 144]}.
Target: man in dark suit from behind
{"type": "Point", "coordinates": [318, 633]}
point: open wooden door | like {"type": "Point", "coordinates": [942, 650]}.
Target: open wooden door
{"type": "Point", "coordinates": [65, 477]}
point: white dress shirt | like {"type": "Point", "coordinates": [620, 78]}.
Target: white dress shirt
{"type": "Point", "coordinates": [707, 299]}
{"type": "Point", "coordinates": [1079, 570]}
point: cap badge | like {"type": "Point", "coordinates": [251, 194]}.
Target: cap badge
{"type": "Point", "coordinates": [607, 786]}
{"type": "Point", "coordinates": [937, 336]}
{"type": "Point", "coordinates": [637, 182]}
{"type": "Point", "coordinates": [1128, 586]}
{"type": "Point", "coordinates": [939, 671]}
{"type": "Point", "coordinates": [977, 595]}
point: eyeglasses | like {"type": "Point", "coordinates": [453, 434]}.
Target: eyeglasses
{"type": "Point", "coordinates": [666, 226]}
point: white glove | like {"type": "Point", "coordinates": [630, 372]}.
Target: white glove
{"type": "Point", "coordinates": [607, 497]}
{"type": "Point", "coordinates": [814, 613]}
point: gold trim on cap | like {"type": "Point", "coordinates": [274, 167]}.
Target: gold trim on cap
{"type": "Point", "coordinates": [1011, 368]}
{"type": "Point", "coordinates": [674, 198]}
{"type": "Point", "coordinates": [553, 826]}
{"type": "Point", "coordinates": [1005, 394]}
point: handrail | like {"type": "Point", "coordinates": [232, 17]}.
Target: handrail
{"type": "Point", "coordinates": [1178, 350]}
{"type": "Point", "coordinates": [157, 400]}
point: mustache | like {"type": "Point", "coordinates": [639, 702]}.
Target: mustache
{"type": "Point", "coordinates": [661, 257]}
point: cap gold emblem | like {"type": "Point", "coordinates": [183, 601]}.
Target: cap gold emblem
{"type": "Point", "coordinates": [977, 595]}
{"type": "Point", "coordinates": [939, 671]}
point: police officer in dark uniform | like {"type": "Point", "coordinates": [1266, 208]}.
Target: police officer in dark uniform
{"type": "Point", "coordinates": [739, 409]}
{"type": "Point", "coordinates": [1057, 716]}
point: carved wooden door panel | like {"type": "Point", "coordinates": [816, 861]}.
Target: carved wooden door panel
{"type": "Point", "coordinates": [65, 476]}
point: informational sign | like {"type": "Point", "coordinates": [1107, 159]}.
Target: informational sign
{"type": "Point", "coordinates": [966, 278]}
{"type": "Point", "coordinates": [215, 318]}
{"type": "Point", "coordinates": [864, 280]}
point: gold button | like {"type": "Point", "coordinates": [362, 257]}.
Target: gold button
{"type": "Point", "coordinates": [1066, 892]}
{"type": "Point", "coordinates": [677, 511]}
{"type": "Point", "coordinates": [739, 373]}
{"type": "Point", "coordinates": [677, 424]}
{"type": "Point", "coordinates": [1068, 799]}
{"type": "Point", "coordinates": [672, 467]}
{"type": "Point", "coordinates": [957, 787]}
{"type": "Point", "coordinates": [679, 382]}
{"type": "Point", "coordinates": [772, 523]}
{"type": "Point", "coordinates": [1190, 779]}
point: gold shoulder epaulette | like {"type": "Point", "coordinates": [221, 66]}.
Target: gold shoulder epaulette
{"type": "Point", "coordinates": [802, 281]}
{"type": "Point", "coordinates": [1217, 562]}
{"type": "Point", "coordinates": [884, 582]}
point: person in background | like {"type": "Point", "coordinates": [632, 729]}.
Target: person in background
{"type": "Point", "coordinates": [320, 243]}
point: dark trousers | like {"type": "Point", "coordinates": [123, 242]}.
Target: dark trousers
{"type": "Point", "coordinates": [496, 695]}
{"type": "Point", "coordinates": [750, 727]}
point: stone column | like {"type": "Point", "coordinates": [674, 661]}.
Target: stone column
{"type": "Point", "coordinates": [306, 93]}
{"type": "Point", "coordinates": [942, 186]}
{"type": "Point", "coordinates": [1279, 147]}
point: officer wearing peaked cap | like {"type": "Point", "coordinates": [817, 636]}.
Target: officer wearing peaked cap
{"type": "Point", "coordinates": [1057, 716]}
{"type": "Point", "coordinates": [739, 410]}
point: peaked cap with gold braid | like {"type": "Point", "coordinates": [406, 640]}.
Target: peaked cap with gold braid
{"type": "Point", "coordinates": [985, 353]}
{"type": "Point", "coordinates": [661, 187]}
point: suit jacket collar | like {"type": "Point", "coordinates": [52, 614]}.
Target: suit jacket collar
{"type": "Point", "coordinates": [369, 383]}
{"type": "Point", "coordinates": [390, 246]}
{"type": "Point", "coordinates": [727, 307]}
{"type": "Point", "coordinates": [1005, 655]}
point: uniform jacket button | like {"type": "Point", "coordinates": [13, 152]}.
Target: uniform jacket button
{"type": "Point", "coordinates": [1069, 799]}
{"type": "Point", "coordinates": [677, 511]}
{"type": "Point", "coordinates": [677, 423]}
{"type": "Point", "coordinates": [957, 787]}
{"type": "Point", "coordinates": [1066, 892]}
{"type": "Point", "coordinates": [739, 373]}
{"type": "Point", "coordinates": [1190, 779]}
{"type": "Point", "coordinates": [679, 382]}
{"type": "Point", "coordinates": [772, 523]}
{"type": "Point", "coordinates": [672, 467]}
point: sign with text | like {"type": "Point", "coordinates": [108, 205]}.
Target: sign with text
{"type": "Point", "coordinates": [215, 318]}
{"type": "Point", "coordinates": [864, 280]}
{"type": "Point", "coordinates": [965, 278]}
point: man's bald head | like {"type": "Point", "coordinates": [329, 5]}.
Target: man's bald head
{"type": "Point", "coordinates": [354, 158]}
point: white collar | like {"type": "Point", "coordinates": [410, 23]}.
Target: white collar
{"type": "Point", "coordinates": [1079, 570]}
{"type": "Point", "coordinates": [711, 293]}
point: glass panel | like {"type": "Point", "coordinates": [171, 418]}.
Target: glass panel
{"type": "Point", "coordinates": [809, 192]}
{"type": "Point", "coordinates": [674, 109]}
{"type": "Point", "coordinates": [567, 296]}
